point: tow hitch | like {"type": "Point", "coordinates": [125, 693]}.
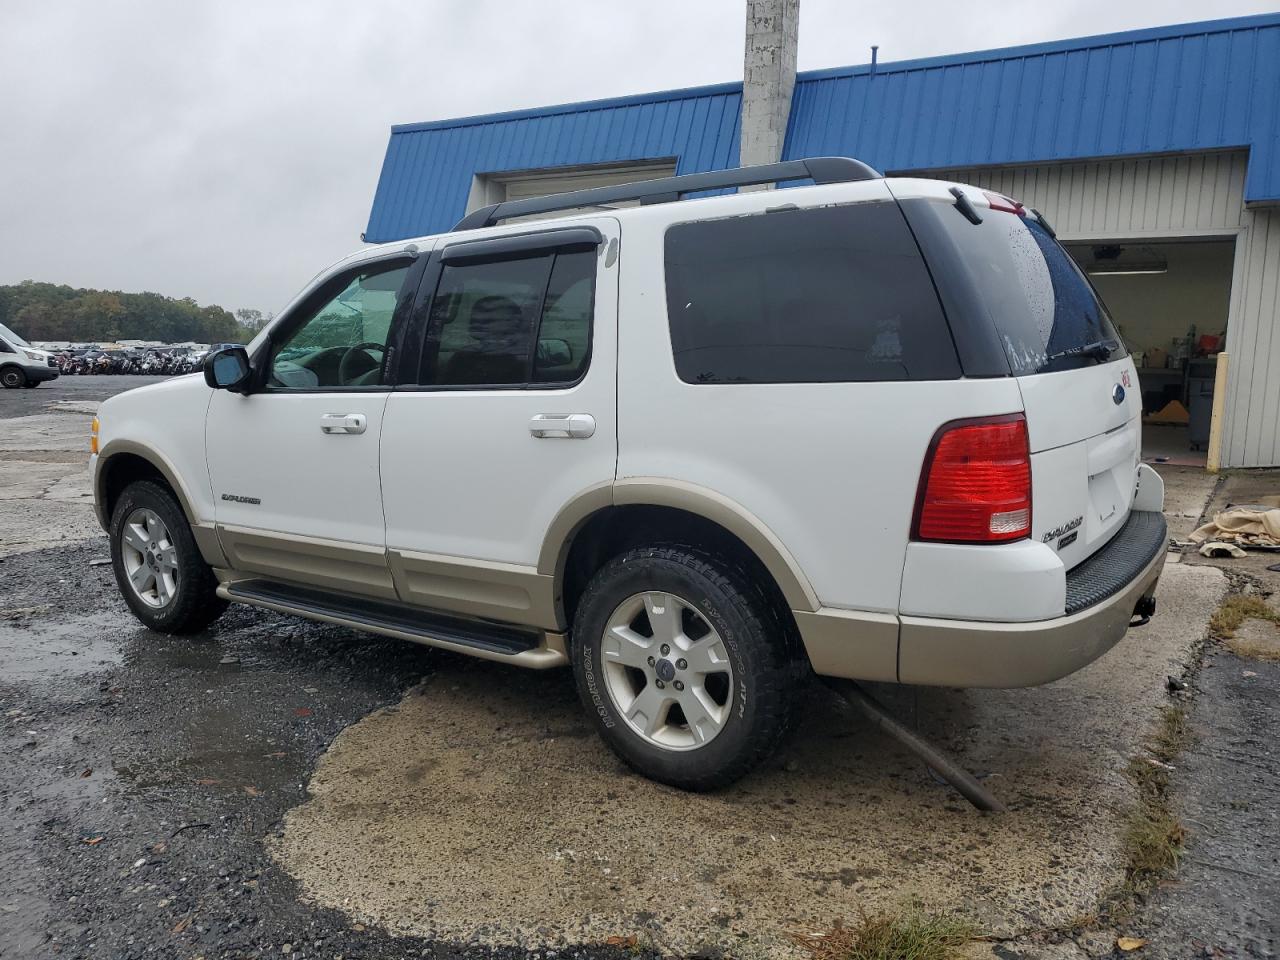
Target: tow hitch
{"type": "Point", "coordinates": [1143, 611]}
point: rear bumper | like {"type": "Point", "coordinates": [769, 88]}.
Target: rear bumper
{"type": "Point", "coordinates": [1101, 595]}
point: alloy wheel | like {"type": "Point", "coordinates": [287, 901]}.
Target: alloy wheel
{"type": "Point", "coordinates": [667, 671]}
{"type": "Point", "coordinates": [150, 557]}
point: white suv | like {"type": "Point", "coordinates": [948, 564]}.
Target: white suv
{"type": "Point", "coordinates": [872, 428]}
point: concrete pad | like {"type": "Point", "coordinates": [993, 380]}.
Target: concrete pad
{"type": "Point", "coordinates": [483, 808]}
{"type": "Point", "coordinates": [1257, 638]}
{"type": "Point", "coordinates": [1186, 493]}
{"type": "Point", "coordinates": [45, 495]}
{"type": "Point", "coordinates": [46, 431]}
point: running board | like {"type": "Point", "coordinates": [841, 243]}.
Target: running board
{"type": "Point", "coordinates": [522, 646]}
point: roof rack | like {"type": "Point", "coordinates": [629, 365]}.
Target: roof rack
{"type": "Point", "coordinates": [669, 189]}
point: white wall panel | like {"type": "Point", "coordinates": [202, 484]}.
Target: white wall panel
{"type": "Point", "coordinates": [1131, 198]}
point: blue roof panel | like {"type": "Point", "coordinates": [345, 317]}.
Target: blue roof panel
{"type": "Point", "coordinates": [1198, 86]}
{"type": "Point", "coordinates": [1191, 87]}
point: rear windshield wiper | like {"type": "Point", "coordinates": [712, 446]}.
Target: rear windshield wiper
{"type": "Point", "coordinates": [1099, 350]}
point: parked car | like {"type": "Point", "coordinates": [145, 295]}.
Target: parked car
{"type": "Point", "coordinates": [873, 428]}
{"type": "Point", "coordinates": [22, 365]}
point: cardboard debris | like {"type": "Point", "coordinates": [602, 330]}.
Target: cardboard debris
{"type": "Point", "coordinates": [1172, 412]}
{"type": "Point", "coordinates": [1248, 526]}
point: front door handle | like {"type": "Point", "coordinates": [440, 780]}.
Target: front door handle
{"type": "Point", "coordinates": [343, 423]}
{"type": "Point", "coordinates": [562, 426]}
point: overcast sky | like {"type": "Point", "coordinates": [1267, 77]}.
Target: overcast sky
{"type": "Point", "coordinates": [229, 150]}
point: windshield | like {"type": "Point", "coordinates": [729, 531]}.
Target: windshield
{"type": "Point", "coordinates": [12, 337]}
{"type": "Point", "coordinates": [1046, 312]}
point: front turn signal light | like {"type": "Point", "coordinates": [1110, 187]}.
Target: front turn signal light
{"type": "Point", "coordinates": [93, 436]}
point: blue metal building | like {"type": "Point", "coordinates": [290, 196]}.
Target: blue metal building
{"type": "Point", "coordinates": [1163, 135]}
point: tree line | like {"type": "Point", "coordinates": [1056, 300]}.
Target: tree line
{"type": "Point", "coordinates": [47, 311]}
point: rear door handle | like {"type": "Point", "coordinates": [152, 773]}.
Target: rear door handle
{"type": "Point", "coordinates": [343, 422]}
{"type": "Point", "coordinates": [562, 426]}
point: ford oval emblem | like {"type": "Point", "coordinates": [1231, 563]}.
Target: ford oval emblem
{"type": "Point", "coordinates": [1117, 395]}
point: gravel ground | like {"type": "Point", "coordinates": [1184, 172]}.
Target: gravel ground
{"type": "Point", "coordinates": [141, 772]}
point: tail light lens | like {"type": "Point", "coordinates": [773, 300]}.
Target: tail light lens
{"type": "Point", "coordinates": [976, 483]}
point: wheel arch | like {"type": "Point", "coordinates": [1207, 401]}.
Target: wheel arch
{"type": "Point", "coordinates": [14, 366]}
{"type": "Point", "coordinates": [122, 462]}
{"type": "Point", "coordinates": [613, 516]}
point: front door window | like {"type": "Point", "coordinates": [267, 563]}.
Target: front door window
{"type": "Point", "coordinates": [343, 343]}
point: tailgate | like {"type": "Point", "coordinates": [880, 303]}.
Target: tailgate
{"type": "Point", "coordinates": [1084, 427]}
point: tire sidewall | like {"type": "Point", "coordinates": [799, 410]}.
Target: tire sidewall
{"type": "Point", "coordinates": [13, 377]}
{"type": "Point", "coordinates": [649, 570]}
{"type": "Point", "coordinates": [151, 496]}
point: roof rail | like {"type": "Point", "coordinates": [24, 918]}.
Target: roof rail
{"type": "Point", "coordinates": [669, 189]}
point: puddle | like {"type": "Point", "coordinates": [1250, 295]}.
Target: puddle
{"type": "Point", "coordinates": [36, 648]}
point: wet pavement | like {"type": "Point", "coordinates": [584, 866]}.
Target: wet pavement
{"type": "Point", "coordinates": [282, 788]}
{"type": "Point", "coordinates": [90, 388]}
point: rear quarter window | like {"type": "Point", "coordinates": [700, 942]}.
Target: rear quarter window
{"type": "Point", "coordinates": [832, 294]}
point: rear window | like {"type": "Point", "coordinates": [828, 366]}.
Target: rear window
{"type": "Point", "coordinates": [804, 296]}
{"type": "Point", "coordinates": [1042, 305]}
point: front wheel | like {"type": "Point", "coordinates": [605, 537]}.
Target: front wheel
{"type": "Point", "coordinates": [684, 664]}
{"type": "Point", "coordinates": [12, 378]}
{"type": "Point", "coordinates": [158, 567]}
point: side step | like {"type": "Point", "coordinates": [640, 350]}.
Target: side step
{"type": "Point", "coordinates": [528, 647]}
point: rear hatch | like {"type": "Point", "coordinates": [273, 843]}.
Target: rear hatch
{"type": "Point", "coordinates": [1078, 383]}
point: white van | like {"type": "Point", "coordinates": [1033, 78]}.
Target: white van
{"type": "Point", "coordinates": [22, 365]}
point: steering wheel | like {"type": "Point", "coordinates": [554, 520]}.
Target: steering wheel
{"type": "Point", "coordinates": [359, 354]}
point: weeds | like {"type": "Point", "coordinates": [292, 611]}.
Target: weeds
{"type": "Point", "coordinates": [1233, 612]}
{"type": "Point", "coordinates": [1238, 608]}
{"type": "Point", "coordinates": [1153, 835]}
{"type": "Point", "coordinates": [907, 935]}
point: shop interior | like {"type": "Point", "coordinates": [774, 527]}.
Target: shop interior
{"type": "Point", "coordinates": [1170, 301]}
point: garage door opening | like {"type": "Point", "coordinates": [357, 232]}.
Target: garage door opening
{"type": "Point", "coordinates": [1170, 301]}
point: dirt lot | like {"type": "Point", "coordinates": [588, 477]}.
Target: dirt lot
{"type": "Point", "coordinates": [277, 787]}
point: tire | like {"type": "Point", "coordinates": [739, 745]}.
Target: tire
{"type": "Point", "coordinates": [743, 699]}
{"type": "Point", "coordinates": [159, 570]}
{"type": "Point", "coordinates": [13, 377]}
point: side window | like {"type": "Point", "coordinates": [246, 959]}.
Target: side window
{"type": "Point", "coordinates": [343, 342]}
{"type": "Point", "coordinates": [564, 339]}
{"type": "Point", "coordinates": [828, 294]}
{"type": "Point", "coordinates": [509, 323]}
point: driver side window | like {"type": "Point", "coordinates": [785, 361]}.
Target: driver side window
{"type": "Point", "coordinates": [343, 342]}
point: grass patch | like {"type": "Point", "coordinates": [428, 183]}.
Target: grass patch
{"type": "Point", "coordinates": [1238, 608]}
{"type": "Point", "coordinates": [1172, 736]}
{"type": "Point", "coordinates": [1153, 834]}
{"type": "Point", "coordinates": [1153, 842]}
{"type": "Point", "coordinates": [1253, 651]}
{"type": "Point", "coordinates": [907, 935]}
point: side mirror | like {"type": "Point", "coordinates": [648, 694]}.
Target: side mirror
{"type": "Point", "coordinates": [553, 352]}
{"type": "Point", "coordinates": [228, 369]}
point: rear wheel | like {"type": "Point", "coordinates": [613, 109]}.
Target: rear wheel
{"type": "Point", "coordinates": [684, 665]}
{"type": "Point", "coordinates": [12, 378]}
{"type": "Point", "coordinates": [158, 567]}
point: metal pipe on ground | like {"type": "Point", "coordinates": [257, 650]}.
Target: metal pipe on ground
{"type": "Point", "coordinates": [965, 782]}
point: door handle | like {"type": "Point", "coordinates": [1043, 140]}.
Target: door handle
{"type": "Point", "coordinates": [343, 423]}
{"type": "Point", "coordinates": [562, 426]}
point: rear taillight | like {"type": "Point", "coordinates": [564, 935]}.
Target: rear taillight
{"type": "Point", "coordinates": [976, 483]}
